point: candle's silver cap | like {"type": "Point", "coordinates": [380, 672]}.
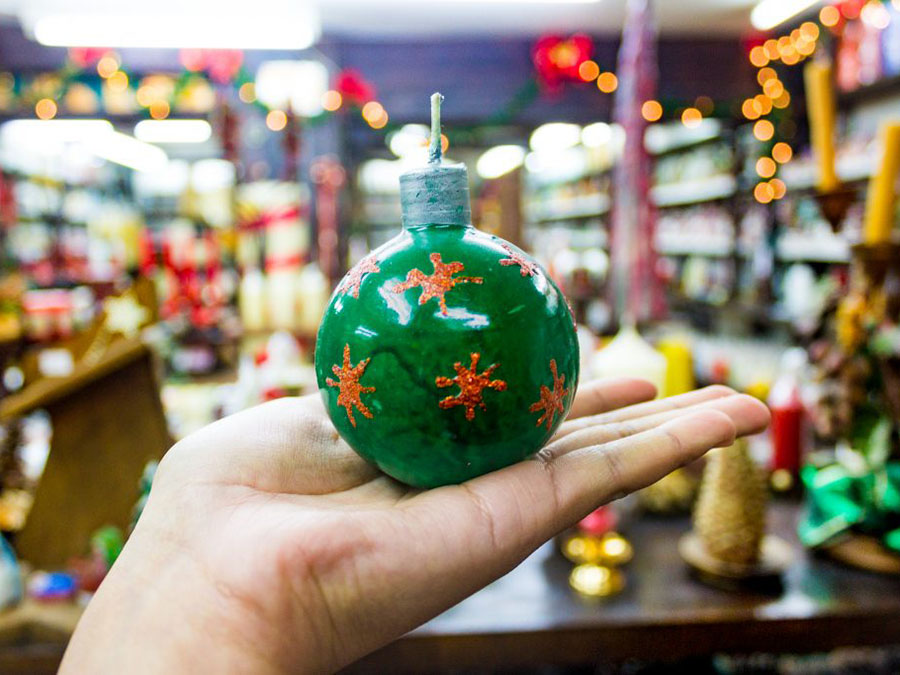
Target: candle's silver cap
{"type": "Point", "coordinates": [435, 194]}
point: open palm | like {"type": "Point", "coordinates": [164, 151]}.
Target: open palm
{"type": "Point", "coordinates": [268, 545]}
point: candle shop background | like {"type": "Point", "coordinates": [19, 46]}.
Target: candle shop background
{"type": "Point", "coordinates": [711, 183]}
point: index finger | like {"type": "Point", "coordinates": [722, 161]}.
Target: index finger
{"type": "Point", "coordinates": [599, 396]}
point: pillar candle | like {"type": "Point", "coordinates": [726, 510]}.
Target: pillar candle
{"type": "Point", "coordinates": [679, 366]}
{"type": "Point", "coordinates": [820, 108]}
{"type": "Point", "coordinates": [882, 195]}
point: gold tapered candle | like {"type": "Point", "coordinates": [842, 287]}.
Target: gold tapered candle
{"type": "Point", "coordinates": [821, 110]}
{"type": "Point", "coordinates": [881, 200]}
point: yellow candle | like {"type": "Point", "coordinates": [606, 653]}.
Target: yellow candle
{"type": "Point", "coordinates": [882, 195]}
{"type": "Point", "coordinates": [820, 107]}
{"type": "Point", "coordinates": [679, 366]}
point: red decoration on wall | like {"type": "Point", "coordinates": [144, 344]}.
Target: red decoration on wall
{"type": "Point", "coordinates": [353, 87]}
{"type": "Point", "coordinates": [86, 56]}
{"type": "Point", "coordinates": [222, 65]}
{"type": "Point", "coordinates": [556, 60]}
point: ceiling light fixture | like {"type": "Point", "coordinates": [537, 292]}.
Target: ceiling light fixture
{"type": "Point", "coordinates": [161, 31]}
{"type": "Point", "coordinates": [770, 13]}
{"type": "Point", "coordinates": [127, 151]}
{"type": "Point", "coordinates": [172, 131]}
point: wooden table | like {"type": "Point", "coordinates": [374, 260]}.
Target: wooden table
{"type": "Point", "coordinates": [530, 617]}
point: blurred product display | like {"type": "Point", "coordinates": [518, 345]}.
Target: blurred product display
{"type": "Point", "coordinates": [213, 212]}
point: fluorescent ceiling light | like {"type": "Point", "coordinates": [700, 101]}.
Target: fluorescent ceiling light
{"type": "Point", "coordinates": [128, 151]}
{"type": "Point", "coordinates": [98, 136]}
{"type": "Point", "coordinates": [770, 13]}
{"type": "Point", "coordinates": [173, 131]}
{"type": "Point", "coordinates": [57, 130]}
{"type": "Point", "coordinates": [225, 30]}
{"type": "Point", "coordinates": [555, 136]}
{"type": "Point", "coordinates": [500, 160]}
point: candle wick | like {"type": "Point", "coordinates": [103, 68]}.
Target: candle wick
{"type": "Point", "coordinates": [434, 148]}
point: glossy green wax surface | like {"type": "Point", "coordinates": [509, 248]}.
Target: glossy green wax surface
{"type": "Point", "coordinates": [519, 322]}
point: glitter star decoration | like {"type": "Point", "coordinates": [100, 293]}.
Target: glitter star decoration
{"type": "Point", "coordinates": [353, 280]}
{"type": "Point", "coordinates": [471, 384]}
{"type": "Point", "coordinates": [349, 387]}
{"type": "Point", "coordinates": [526, 266]}
{"type": "Point", "coordinates": [436, 285]}
{"type": "Point", "coordinates": [551, 401]}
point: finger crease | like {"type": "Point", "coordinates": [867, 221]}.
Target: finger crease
{"type": "Point", "coordinates": [484, 512]}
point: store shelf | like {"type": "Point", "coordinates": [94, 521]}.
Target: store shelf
{"type": "Point", "coordinates": [796, 247]}
{"type": "Point", "coordinates": [697, 191]}
{"type": "Point", "coordinates": [803, 176]}
{"type": "Point", "coordinates": [888, 86]}
{"type": "Point", "coordinates": [588, 206]}
{"type": "Point", "coordinates": [712, 246]}
{"type": "Point", "coordinates": [664, 140]}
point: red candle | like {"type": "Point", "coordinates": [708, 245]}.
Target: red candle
{"type": "Point", "coordinates": [787, 430]}
{"type": "Point", "coordinates": [788, 415]}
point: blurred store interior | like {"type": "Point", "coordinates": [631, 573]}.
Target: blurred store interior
{"type": "Point", "coordinates": [718, 204]}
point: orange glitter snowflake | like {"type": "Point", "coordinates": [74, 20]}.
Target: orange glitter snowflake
{"type": "Point", "coordinates": [471, 384]}
{"type": "Point", "coordinates": [350, 388]}
{"type": "Point", "coordinates": [551, 401]}
{"type": "Point", "coordinates": [526, 266]}
{"type": "Point", "coordinates": [436, 285]}
{"type": "Point", "coordinates": [353, 280]}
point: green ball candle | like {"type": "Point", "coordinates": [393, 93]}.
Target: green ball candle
{"type": "Point", "coordinates": [446, 353]}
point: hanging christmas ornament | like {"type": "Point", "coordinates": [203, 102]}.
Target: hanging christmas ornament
{"type": "Point", "coordinates": [446, 353]}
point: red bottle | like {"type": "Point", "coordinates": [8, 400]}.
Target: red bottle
{"type": "Point", "coordinates": [788, 414]}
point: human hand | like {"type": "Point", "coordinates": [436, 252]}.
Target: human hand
{"type": "Point", "coordinates": [268, 545]}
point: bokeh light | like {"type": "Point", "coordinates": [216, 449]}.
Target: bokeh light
{"type": "Point", "coordinates": [247, 92]}
{"type": "Point", "coordinates": [372, 110]}
{"type": "Point", "coordinates": [758, 56]}
{"type": "Point", "coordinates": [691, 118]}
{"type": "Point", "coordinates": [751, 109]}
{"type": "Point", "coordinates": [829, 16]}
{"type": "Point", "coordinates": [773, 88]}
{"type": "Point", "coordinates": [276, 120]}
{"type": "Point", "coordinates": [118, 81]}
{"type": "Point", "coordinates": [763, 192]}
{"type": "Point", "coordinates": [766, 167]}
{"type": "Point", "coordinates": [651, 110]}
{"type": "Point", "coordinates": [588, 70]}
{"type": "Point", "coordinates": [107, 65]}
{"type": "Point", "coordinates": [332, 100]}
{"type": "Point", "coordinates": [607, 82]}
{"type": "Point", "coordinates": [763, 130]}
{"type": "Point", "coordinates": [159, 110]}
{"type": "Point", "coordinates": [45, 109]}
{"type": "Point", "coordinates": [782, 101]}
{"type": "Point", "coordinates": [782, 152]}
{"type": "Point", "coordinates": [779, 189]}
{"type": "Point", "coordinates": [764, 103]}
{"type": "Point", "coordinates": [765, 74]}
